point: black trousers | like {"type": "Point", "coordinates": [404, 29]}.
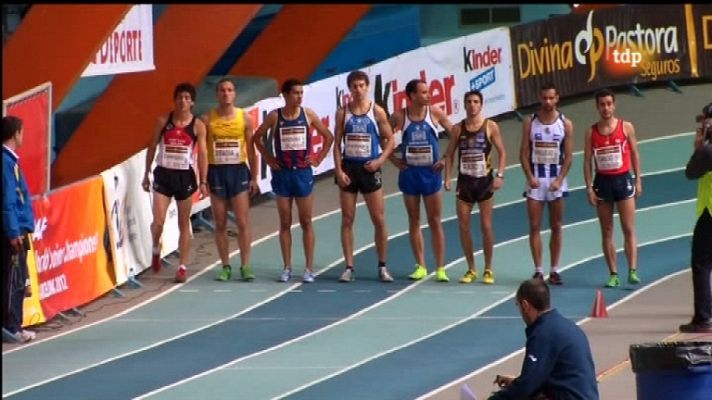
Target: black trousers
{"type": "Point", "coordinates": [14, 274]}
{"type": "Point", "coordinates": [702, 268]}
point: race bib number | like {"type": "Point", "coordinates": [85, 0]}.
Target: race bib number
{"type": "Point", "coordinates": [609, 158]}
{"type": "Point", "coordinates": [293, 138]}
{"type": "Point", "coordinates": [545, 152]}
{"type": "Point", "coordinates": [176, 157]}
{"type": "Point", "coordinates": [358, 145]}
{"type": "Point", "coordinates": [473, 165]}
{"type": "Point", "coordinates": [419, 156]}
{"type": "Point", "coordinates": [227, 151]}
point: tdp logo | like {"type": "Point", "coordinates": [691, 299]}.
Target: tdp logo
{"type": "Point", "coordinates": [40, 227]}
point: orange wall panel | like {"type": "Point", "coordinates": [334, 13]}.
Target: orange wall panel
{"type": "Point", "coordinates": [298, 40]}
{"type": "Point", "coordinates": [188, 39]}
{"type": "Point", "coordinates": [55, 43]}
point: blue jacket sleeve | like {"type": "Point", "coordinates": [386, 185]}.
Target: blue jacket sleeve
{"type": "Point", "coordinates": [539, 361]}
{"type": "Point", "coordinates": [10, 224]}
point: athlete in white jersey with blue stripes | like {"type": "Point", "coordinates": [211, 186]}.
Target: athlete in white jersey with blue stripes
{"type": "Point", "coordinates": [545, 155]}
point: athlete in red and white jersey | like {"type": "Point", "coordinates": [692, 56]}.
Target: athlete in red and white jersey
{"type": "Point", "coordinates": [611, 146]}
{"type": "Point", "coordinates": [175, 136]}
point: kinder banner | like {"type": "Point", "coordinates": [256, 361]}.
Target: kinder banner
{"type": "Point", "coordinates": [69, 246]}
{"type": "Point", "coordinates": [610, 47]}
{"type": "Point", "coordinates": [129, 48]}
{"type": "Point", "coordinates": [129, 215]}
{"type": "Point", "coordinates": [34, 108]}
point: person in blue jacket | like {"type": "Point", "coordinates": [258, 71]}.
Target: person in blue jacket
{"type": "Point", "coordinates": [558, 362]}
{"type": "Point", "coordinates": [18, 221]}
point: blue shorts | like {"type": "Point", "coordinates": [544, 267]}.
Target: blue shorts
{"type": "Point", "coordinates": [228, 180]}
{"type": "Point", "coordinates": [612, 188]}
{"type": "Point", "coordinates": [417, 181]}
{"type": "Point", "coordinates": [293, 182]}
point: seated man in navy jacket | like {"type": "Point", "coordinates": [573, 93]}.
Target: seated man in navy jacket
{"type": "Point", "coordinates": [558, 362]}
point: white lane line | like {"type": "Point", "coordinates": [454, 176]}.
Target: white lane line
{"type": "Point", "coordinates": [516, 353]}
{"type": "Point", "coordinates": [461, 321]}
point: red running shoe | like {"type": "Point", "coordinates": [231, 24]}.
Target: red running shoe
{"type": "Point", "coordinates": [181, 275]}
{"type": "Point", "coordinates": [156, 263]}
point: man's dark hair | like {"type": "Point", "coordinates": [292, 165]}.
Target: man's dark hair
{"type": "Point", "coordinates": [357, 76]}
{"type": "Point", "coordinates": [535, 292]}
{"type": "Point", "coordinates": [474, 93]}
{"type": "Point", "coordinates": [289, 84]}
{"type": "Point", "coordinates": [548, 86]}
{"type": "Point", "coordinates": [10, 125]}
{"type": "Point", "coordinates": [412, 86]}
{"type": "Point", "coordinates": [223, 80]}
{"type": "Point", "coordinates": [184, 87]}
{"type": "Point", "coordinates": [605, 93]}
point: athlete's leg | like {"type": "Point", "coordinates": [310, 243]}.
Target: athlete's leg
{"type": "Point", "coordinates": [241, 208]}
{"type": "Point", "coordinates": [464, 210]}
{"type": "Point", "coordinates": [374, 202]}
{"type": "Point", "coordinates": [284, 209]}
{"type": "Point", "coordinates": [556, 218]}
{"type": "Point", "coordinates": [160, 206]}
{"type": "Point", "coordinates": [304, 208]}
{"type": "Point", "coordinates": [626, 212]}
{"type": "Point", "coordinates": [433, 210]}
{"type": "Point", "coordinates": [184, 207]}
{"type": "Point", "coordinates": [218, 205]}
{"type": "Point", "coordinates": [348, 212]}
{"type": "Point", "coordinates": [535, 209]}
{"type": "Point", "coordinates": [486, 208]}
{"type": "Point", "coordinates": [412, 206]}
{"type": "Point", "coordinates": [604, 209]}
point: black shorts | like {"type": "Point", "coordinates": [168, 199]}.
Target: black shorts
{"type": "Point", "coordinates": [612, 188]}
{"type": "Point", "coordinates": [474, 190]}
{"type": "Point", "coordinates": [178, 183]}
{"type": "Point", "coordinates": [361, 180]}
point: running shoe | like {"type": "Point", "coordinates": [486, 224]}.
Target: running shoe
{"type": "Point", "coordinates": [419, 273]}
{"type": "Point", "coordinates": [633, 277]}
{"type": "Point", "coordinates": [555, 278]}
{"type": "Point", "coordinates": [156, 263]}
{"type": "Point", "coordinates": [613, 281]}
{"type": "Point", "coordinates": [347, 275]}
{"type": "Point", "coordinates": [488, 277]}
{"type": "Point", "coordinates": [384, 275]}
{"type": "Point", "coordinates": [538, 275]}
{"type": "Point", "coordinates": [224, 274]}
{"type": "Point", "coordinates": [308, 276]}
{"type": "Point", "coordinates": [246, 273]}
{"type": "Point", "coordinates": [286, 275]}
{"type": "Point", "coordinates": [440, 275]}
{"type": "Point", "coordinates": [469, 277]}
{"type": "Point", "coordinates": [181, 275]}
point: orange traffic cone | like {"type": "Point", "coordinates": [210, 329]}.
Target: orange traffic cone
{"type": "Point", "coordinates": [599, 306]}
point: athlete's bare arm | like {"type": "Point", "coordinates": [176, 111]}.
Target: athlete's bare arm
{"type": "Point", "coordinates": [524, 155]}
{"type": "Point", "coordinates": [568, 155]}
{"type": "Point", "coordinates": [450, 155]}
{"type": "Point", "coordinates": [386, 139]}
{"type": "Point", "coordinates": [441, 118]}
{"type": "Point", "coordinates": [259, 136]}
{"type": "Point", "coordinates": [151, 151]}
{"type": "Point", "coordinates": [251, 156]}
{"type": "Point", "coordinates": [588, 167]}
{"type": "Point", "coordinates": [323, 131]}
{"type": "Point", "coordinates": [496, 139]}
{"type": "Point", "coordinates": [341, 178]}
{"type": "Point", "coordinates": [396, 121]}
{"type": "Point", "coordinates": [201, 133]}
{"type": "Point", "coordinates": [629, 131]}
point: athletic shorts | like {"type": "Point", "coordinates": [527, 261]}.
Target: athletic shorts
{"type": "Point", "coordinates": [474, 190]}
{"type": "Point", "coordinates": [542, 193]}
{"type": "Point", "coordinates": [361, 180]}
{"type": "Point", "coordinates": [178, 183]}
{"type": "Point", "coordinates": [419, 181]}
{"type": "Point", "coordinates": [293, 182]}
{"type": "Point", "coordinates": [228, 180]}
{"type": "Point", "coordinates": [613, 188]}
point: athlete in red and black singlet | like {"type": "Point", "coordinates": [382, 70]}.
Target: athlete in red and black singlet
{"type": "Point", "coordinates": [611, 152]}
{"type": "Point", "coordinates": [176, 145]}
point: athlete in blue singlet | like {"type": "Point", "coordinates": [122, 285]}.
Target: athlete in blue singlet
{"type": "Point", "coordinates": [291, 167]}
{"type": "Point", "coordinates": [421, 172]}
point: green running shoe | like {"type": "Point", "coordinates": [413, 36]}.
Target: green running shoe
{"type": "Point", "coordinates": [613, 281]}
{"type": "Point", "coordinates": [419, 273]}
{"type": "Point", "coordinates": [440, 275]}
{"type": "Point", "coordinates": [224, 274]}
{"type": "Point", "coordinates": [633, 277]}
{"type": "Point", "coordinates": [246, 273]}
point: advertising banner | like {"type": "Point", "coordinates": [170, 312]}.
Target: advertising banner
{"type": "Point", "coordinates": [615, 46]}
{"type": "Point", "coordinates": [700, 19]}
{"type": "Point", "coordinates": [34, 108]}
{"type": "Point", "coordinates": [129, 48]}
{"type": "Point", "coordinates": [129, 215]}
{"type": "Point", "coordinates": [70, 246]}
